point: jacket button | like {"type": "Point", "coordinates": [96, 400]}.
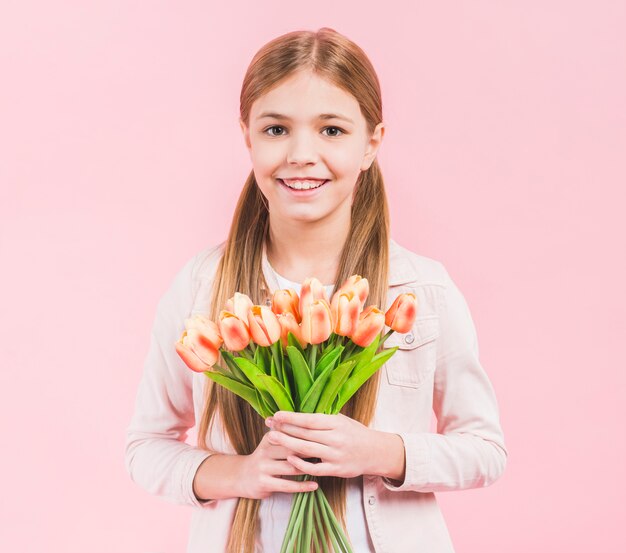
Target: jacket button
{"type": "Point", "coordinates": [268, 301]}
{"type": "Point", "coordinates": [371, 500]}
{"type": "Point", "coordinates": [409, 338]}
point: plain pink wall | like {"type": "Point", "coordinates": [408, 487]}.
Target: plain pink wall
{"type": "Point", "coordinates": [121, 157]}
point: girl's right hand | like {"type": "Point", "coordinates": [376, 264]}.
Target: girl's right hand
{"type": "Point", "coordinates": [262, 471]}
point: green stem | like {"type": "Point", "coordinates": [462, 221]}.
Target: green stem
{"type": "Point", "coordinates": [312, 356]}
{"type": "Point", "coordinates": [320, 527]}
{"type": "Point", "coordinates": [343, 540]}
{"type": "Point", "coordinates": [387, 334]}
{"type": "Point", "coordinates": [295, 509]}
{"type": "Point", "coordinates": [328, 523]}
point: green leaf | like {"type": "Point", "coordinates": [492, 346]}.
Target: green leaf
{"type": "Point", "coordinates": [360, 375]}
{"type": "Point", "coordinates": [260, 359]}
{"type": "Point", "coordinates": [293, 341]}
{"type": "Point", "coordinates": [229, 359]}
{"type": "Point", "coordinates": [339, 376]}
{"type": "Point", "coordinates": [301, 373]}
{"type": "Point", "coordinates": [365, 356]}
{"type": "Point", "coordinates": [243, 391]}
{"type": "Point", "coordinates": [253, 373]}
{"type": "Point", "coordinates": [309, 403]}
{"type": "Point", "coordinates": [330, 357]}
{"type": "Point", "coordinates": [278, 392]}
{"type": "Point", "coordinates": [273, 371]}
{"type": "Point", "coordinates": [264, 409]}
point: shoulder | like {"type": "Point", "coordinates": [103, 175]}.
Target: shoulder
{"type": "Point", "coordinates": [190, 279]}
{"type": "Point", "coordinates": [408, 268]}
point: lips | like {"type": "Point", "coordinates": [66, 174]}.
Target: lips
{"type": "Point", "coordinates": [317, 183]}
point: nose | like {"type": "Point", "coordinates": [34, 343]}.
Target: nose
{"type": "Point", "coordinates": [301, 149]}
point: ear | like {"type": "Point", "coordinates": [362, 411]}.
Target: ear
{"type": "Point", "coordinates": [372, 146]}
{"type": "Point", "coordinates": [246, 133]}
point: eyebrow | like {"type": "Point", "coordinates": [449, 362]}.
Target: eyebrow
{"type": "Point", "coordinates": [275, 115]}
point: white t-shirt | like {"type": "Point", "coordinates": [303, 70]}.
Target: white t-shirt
{"type": "Point", "coordinates": [275, 509]}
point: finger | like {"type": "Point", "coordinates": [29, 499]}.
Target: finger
{"type": "Point", "coordinates": [284, 468]}
{"type": "Point", "coordinates": [293, 486]}
{"type": "Point", "coordinates": [319, 436]}
{"type": "Point", "coordinates": [303, 447]}
{"type": "Point", "coordinates": [314, 469]}
{"type": "Point", "coordinates": [315, 421]}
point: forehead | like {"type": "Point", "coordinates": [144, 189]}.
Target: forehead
{"type": "Point", "coordinates": [306, 95]}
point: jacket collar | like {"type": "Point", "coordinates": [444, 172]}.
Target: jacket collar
{"type": "Point", "coordinates": [401, 270]}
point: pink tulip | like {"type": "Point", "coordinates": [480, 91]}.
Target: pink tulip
{"type": "Point", "coordinates": [286, 301]}
{"type": "Point", "coordinates": [316, 322]}
{"type": "Point", "coordinates": [234, 331]}
{"type": "Point", "coordinates": [312, 289]}
{"type": "Point", "coordinates": [264, 326]}
{"type": "Point", "coordinates": [239, 305]}
{"type": "Point", "coordinates": [401, 315]}
{"type": "Point", "coordinates": [345, 309]}
{"type": "Point", "coordinates": [359, 285]}
{"type": "Point", "coordinates": [199, 344]}
{"type": "Point", "coordinates": [371, 323]}
{"type": "Point", "coordinates": [288, 323]}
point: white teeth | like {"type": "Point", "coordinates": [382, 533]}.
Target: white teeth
{"type": "Point", "coordinates": [304, 185]}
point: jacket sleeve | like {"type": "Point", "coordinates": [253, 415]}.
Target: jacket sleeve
{"type": "Point", "coordinates": [156, 455]}
{"type": "Point", "coordinates": [468, 450]}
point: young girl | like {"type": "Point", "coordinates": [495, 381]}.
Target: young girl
{"type": "Point", "coordinates": [314, 205]}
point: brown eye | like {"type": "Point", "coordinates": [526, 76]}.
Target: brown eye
{"type": "Point", "coordinates": [336, 129]}
{"type": "Point", "coordinates": [273, 127]}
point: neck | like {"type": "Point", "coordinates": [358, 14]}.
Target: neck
{"type": "Point", "coordinates": [297, 250]}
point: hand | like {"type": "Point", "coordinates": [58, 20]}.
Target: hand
{"type": "Point", "coordinates": [346, 447]}
{"type": "Point", "coordinates": [261, 472]}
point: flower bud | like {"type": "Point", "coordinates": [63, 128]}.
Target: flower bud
{"type": "Point", "coordinates": [286, 301]}
{"type": "Point", "coordinates": [289, 324]}
{"type": "Point", "coordinates": [239, 305]}
{"type": "Point", "coordinates": [199, 344]}
{"type": "Point", "coordinates": [316, 322]}
{"type": "Point", "coordinates": [345, 310]}
{"type": "Point", "coordinates": [312, 289]}
{"type": "Point", "coordinates": [264, 326]}
{"type": "Point", "coordinates": [234, 331]}
{"type": "Point", "coordinates": [371, 323]}
{"type": "Point", "coordinates": [359, 285]}
{"type": "Point", "coordinates": [401, 315]}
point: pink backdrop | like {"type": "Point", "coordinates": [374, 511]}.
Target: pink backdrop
{"type": "Point", "coordinates": [122, 157]}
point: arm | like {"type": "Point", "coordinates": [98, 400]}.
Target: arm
{"type": "Point", "coordinates": [156, 455]}
{"type": "Point", "coordinates": [468, 450]}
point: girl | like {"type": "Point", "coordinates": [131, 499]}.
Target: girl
{"type": "Point", "coordinates": [314, 205]}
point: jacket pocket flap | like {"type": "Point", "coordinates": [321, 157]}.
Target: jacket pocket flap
{"type": "Point", "coordinates": [424, 330]}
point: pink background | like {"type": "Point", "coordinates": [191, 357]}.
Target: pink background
{"type": "Point", "coordinates": [122, 157]}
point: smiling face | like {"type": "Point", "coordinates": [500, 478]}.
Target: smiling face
{"type": "Point", "coordinates": [307, 127]}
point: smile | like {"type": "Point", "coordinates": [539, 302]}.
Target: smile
{"type": "Point", "coordinates": [302, 184]}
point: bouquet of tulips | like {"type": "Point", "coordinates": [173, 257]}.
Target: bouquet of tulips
{"type": "Point", "coordinates": [302, 354]}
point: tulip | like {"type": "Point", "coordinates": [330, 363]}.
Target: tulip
{"type": "Point", "coordinates": [239, 305]}
{"type": "Point", "coordinates": [288, 323]}
{"type": "Point", "coordinates": [199, 344]}
{"type": "Point", "coordinates": [264, 326]}
{"type": "Point", "coordinates": [359, 284]}
{"type": "Point", "coordinates": [401, 315]}
{"type": "Point", "coordinates": [286, 301]}
{"type": "Point", "coordinates": [312, 289]}
{"type": "Point", "coordinates": [345, 309]}
{"type": "Point", "coordinates": [316, 322]}
{"type": "Point", "coordinates": [371, 323]}
{"type": "Point", "coordinates": [234, 331]}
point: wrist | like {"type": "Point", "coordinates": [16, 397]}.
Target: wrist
{"type": "Point", "coordinates": [391, 457]}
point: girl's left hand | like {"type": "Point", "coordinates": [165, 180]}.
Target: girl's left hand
{"type": "Point", "coordinates": [346, 447]}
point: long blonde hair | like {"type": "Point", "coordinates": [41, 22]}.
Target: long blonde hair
{"type": "Point", "coordinates": [365, 252]}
